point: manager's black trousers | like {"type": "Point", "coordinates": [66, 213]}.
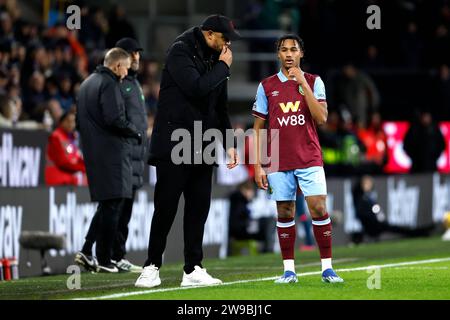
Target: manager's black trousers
{"type": "Point", "coordinates": [194, 182]}
{"type": "Point", "coordinates": [103, 228]}
{"type": "Point", "coordinates": [119, 244]}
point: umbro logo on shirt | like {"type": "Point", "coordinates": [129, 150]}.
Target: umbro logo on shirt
{"type": "Point", "coordinates": [275, 93]}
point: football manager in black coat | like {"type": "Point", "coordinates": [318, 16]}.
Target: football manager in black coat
{"type": "Point", "coordinates": [107, 138]}
{"type": "Point", "coordinates": [193, 88]}
{"type": "Point", "coordinates": [134, 100]}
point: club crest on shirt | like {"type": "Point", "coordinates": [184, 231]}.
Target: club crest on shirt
{"type": "Point", "coordinates": [300, 90]}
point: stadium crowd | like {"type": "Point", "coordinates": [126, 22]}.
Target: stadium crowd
{"type": "Point", "coordinates": [368, 73]}
{"type": "Point", "coordinates": [42, 66]}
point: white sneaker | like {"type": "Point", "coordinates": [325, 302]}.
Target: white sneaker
{"type": "Point", "coordinates": [199, 277]}
{"type": "Point", "coordinates": [149, 278]}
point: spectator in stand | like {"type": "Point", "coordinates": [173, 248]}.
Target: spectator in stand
{"type": "Point", "coordinates": [442, 104]}
{"type": "Point", "coordinates": [358, 93]}
{"type": "Point", "coordinates": [36, 61]}
{"type": "Point", "coordinates": [150, 79]}
{"type": "Point", "coordinates": [62, 57]}
{"type": "Point", "coordinates": [65, 164]}
{"type": "Point", "coordinates": [6, 112]}
{"type": "Point", "coordinates": [373, 60]}
{"type": "Point", "coordinates": [51, 87]}
{"type": "Point", "coordinates": [101, 24]}
{"type": "Point", "coordinates": [65, 94]}
{"type": "Point", "coordinates": [342, 150]}
{"type": "Point", "coordinates": [3, 81]}
{"type": "Point", "coordinates": [375, 142]}
{"type": "Point", "coordinates": [240, 215]}
{"type": "Point", "coordinates": [6, 29]}
{"type": "Point", "coordinates": [35, 97]}
{"type": "Point", "coordinates": [329, 141]}
{"type": "Point", "coordinates": [411, 47]}
{"type": "Point", "coordinates": [94, 27]}
{"type": "Point", "coordinates": [18, 53]}
{"type": "Point", "coordinates": [68, 42]}
{"type": "Point", "coordinates": [351, 147]}
{"type": "Point", "coordinates": [243, 225]}
{"type": "Point", "coordinates": [424, 143]}
{"type": "Point", "coordinates": [371, 215]}
{"type": "Point", "coordinates": [119, 26]}
{"type": "Point", "coordinates": [440, 46]}
{"type": "Point", "coordinates": [10, 114]}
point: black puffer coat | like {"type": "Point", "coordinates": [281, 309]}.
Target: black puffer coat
{"type": "Point", "coordinates": [136, 114]}
{"type": "Point", "coordinates": [106, 136]}
{"type": "Point", "coordinates": [193, 88]}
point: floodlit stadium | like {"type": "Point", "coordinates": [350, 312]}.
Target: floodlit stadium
{"type": "Point", "coordinates": [350, 100]}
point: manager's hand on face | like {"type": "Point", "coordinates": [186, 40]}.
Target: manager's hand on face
{"type": "Point", "coordinates": [234, 158]}
{"type": "Point", "coordinates": [226, 55]}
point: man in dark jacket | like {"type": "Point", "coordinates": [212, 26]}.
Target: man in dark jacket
{"type": "Point", "coordinates": [424, 144]}
{"type": "Point", "coordinates": [106, 137]}
{"type": "Point", "coordinates": [193, 88]}
{"type": "Point", "coordinates": [135, 113]}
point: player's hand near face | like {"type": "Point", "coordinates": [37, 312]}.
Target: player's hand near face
{"type": "Point", "coordinates": [261, 178]}
{"type": "Point", "coordinates": [297, 73]}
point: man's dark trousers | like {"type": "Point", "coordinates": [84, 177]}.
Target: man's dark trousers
{"type": "Point", "coordinates": [105, 223]}
{"type": "Point", "coordinates": [194, 182]}
{"type": "Point", "coordinates": [119, 245]}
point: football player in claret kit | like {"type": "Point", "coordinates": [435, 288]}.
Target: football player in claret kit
{"type": "Point", "coordinates": [291, 104]}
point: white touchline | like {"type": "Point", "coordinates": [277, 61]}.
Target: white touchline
{"type": "Point", "coordinates": [389, 265]}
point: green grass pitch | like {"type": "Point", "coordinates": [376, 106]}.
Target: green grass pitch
{"type": "Point", "coordinates": [407, 269]}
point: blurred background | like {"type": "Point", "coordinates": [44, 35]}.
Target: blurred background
{"type": "Point", "coordinates": [386, 139]}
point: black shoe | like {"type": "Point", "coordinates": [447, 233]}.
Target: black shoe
{"type": "Point", "coordinates": [108, 268]}
{"type": "Point", "coordinates": [86, 261]}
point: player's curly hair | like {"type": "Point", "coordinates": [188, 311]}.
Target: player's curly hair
{"type": "Point", "coordinates": [291, 37]}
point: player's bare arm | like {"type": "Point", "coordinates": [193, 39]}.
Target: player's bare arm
{"type": "Point", "coordinates": [260, 174]}
{"type": "Point", "coordinates": [319, 110]}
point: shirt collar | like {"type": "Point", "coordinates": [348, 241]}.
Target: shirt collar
{"type": "Point", "coordinates": [281, 76]}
